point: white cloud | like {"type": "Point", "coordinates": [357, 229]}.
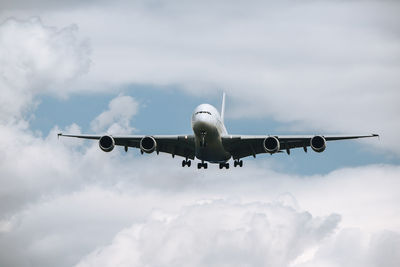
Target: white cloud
{"type": "Point", "coordinates": [94, 195]}
{"type": "Point", "coordinates": [217, 233]}
{"type": "Point", "coordinates": [352, 247]}
{"type": "Point", "coordinates": [117, 118]}
{"type": "Point", "coordinates": [35, 59]}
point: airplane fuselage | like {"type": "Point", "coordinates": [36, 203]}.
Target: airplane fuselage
{"type": "Point", "coordinates": [208, 128]}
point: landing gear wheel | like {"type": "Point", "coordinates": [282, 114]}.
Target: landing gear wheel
{"type": "Point", "coordinates": [238, 163]}
{"type": "Point", "coordinates": [224, 165]}
{"type": "Point", "coordinates": [202, 165]}
{"type": "Point", "coordinates": [186, 163]}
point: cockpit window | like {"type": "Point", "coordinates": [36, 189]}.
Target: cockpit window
{"type": "Point", "coordinates": [207, 112]}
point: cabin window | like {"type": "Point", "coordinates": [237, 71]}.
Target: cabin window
{"type": "Point", "coordinates": [207, 112]}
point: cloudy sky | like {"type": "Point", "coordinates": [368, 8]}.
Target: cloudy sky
{"type": "Point", "coordinates": [141, 67]}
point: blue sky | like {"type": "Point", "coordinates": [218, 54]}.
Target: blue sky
{"type": "Point", "coordinates": [288, 67]}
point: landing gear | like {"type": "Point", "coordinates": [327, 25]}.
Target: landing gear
{"type": "Point", "coordinates": [202, 165]}
{"type": "Point", "coordinates": [224, 165]}
{"type": "Point", "coordinates": [202, 143]}
{"type": "Point", "coordinates": [186, 163]}
{"type": "Point", "coordinates": [203, 139]}
{"type": "Point", "coordinates": [238, 162]}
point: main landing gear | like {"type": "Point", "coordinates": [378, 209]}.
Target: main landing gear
{"type": "Point", "coordinates": [202, 165]}
{"type": "Point", "coordinates": [237, 162]}
{"type": "Point", "coordinates": [186, 163]}
{"type": "Point", "coordinates": [224, 165]}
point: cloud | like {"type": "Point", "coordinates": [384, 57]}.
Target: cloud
{"type": "Point", "coordinates": [117, 118]}
{"type": "Point", "coordinates": [36, 59]}
{"type": "Point", "coordinates": [77, 200]}
{"type": "Point", "coordinates": [46, 233]}
{"type": "Point", "coordinates": [352, 247]}
{"type": "Point", "coordinates": [217, 233]}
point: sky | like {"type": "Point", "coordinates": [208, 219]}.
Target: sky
{"type": "Point", "coordinates": [141, 67]}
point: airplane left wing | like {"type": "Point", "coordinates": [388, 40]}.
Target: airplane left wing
{"type": "Point", "coordinates": [241, 146]}
{"type": "Point", "coordinates": [180, 145]}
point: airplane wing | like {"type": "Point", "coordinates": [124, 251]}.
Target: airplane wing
{"type": "Point", "coordinates": [241, 146]}
{"type": "Point", "coordinates": [180, 145]}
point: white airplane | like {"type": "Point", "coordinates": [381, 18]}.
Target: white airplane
{"type": "Point", "coordinates": [212, 143]}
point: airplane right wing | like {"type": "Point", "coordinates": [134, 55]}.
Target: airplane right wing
{"type": "Point", "coordinates": [241, 146]}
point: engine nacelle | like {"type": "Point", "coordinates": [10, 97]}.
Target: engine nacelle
{"type": "Point", "coordinates": [148, 144]}
{"type": "Point", "coordinates": [271, 144]}
{"type": "Point", "coordinates": [106, 143]}
{"type": "Point", "coordinates": [318, 143]}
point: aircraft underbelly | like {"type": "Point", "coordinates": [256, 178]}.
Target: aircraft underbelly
{"type": "Point", "coordinates": [213, 151]}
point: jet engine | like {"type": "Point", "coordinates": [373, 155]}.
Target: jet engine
{"type": "Point", "coordinates": [106, 143]}
{"type": "Point", "coordinates": [148, 144]}
{"type": "Point", "coordinates": [271, 144]}
{"type": "Point", "coordinates": [318, 143]}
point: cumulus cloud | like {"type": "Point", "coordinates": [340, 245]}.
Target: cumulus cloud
{"type": "Point", "coordinates": [34, 59]}
{"type": "Point", "coordinates": [217, 233]}
{"type": "Point", "coordinates": [84, 205]}
{"type": "Point", "coordinates": [117, 118]}
{"type": "Point", "coordinates": [352, 247]}
{"type": "Point", "coordinates": [31, 166]}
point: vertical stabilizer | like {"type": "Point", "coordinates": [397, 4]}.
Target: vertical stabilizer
{"type": "Point", "coordinates": [223, 107]}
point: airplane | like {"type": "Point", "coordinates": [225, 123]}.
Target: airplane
{"type": "Point", "coordinates": [210, 141]}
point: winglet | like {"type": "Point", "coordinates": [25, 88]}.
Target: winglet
{"type": "Point", "coordinates": [223, 107]}
{"type": "Point", "coordinates": [58, 135]}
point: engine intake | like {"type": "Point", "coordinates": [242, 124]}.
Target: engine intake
{"type": "Point", "coordinates": [271, 145]}
{"type": "Point", "coordinates": [148, 144]}
{"type": "Point", "coordinates": [106, 143]}
{"type": "Point", "coordinates": [318, 143]}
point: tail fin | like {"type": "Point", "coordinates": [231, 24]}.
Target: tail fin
{"type": "Point", "coordinates": [223, 107]}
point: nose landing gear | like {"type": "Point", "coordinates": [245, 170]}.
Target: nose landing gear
{"type": "Point", "coordinates": [203, 139]}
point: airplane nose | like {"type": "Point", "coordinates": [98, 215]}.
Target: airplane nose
{"type": "Point", "coordinates": [202, 123]}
